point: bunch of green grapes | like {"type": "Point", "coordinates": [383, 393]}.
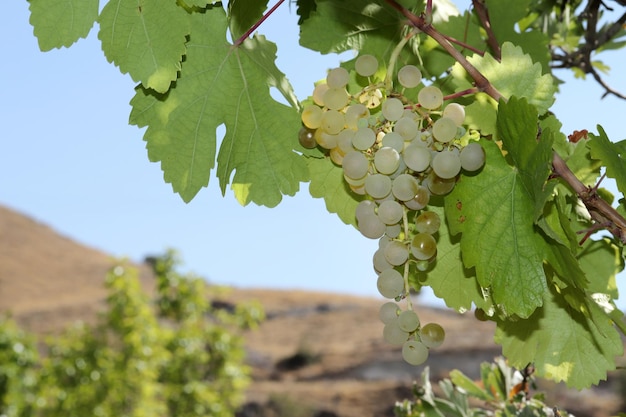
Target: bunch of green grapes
{"type": "Point", "coordinates": [397, 148]}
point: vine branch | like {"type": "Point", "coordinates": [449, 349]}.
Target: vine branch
{"type": "Point", "coordinates": [600, 210]}
{"type": "Point", "coordinates": [248, 32]}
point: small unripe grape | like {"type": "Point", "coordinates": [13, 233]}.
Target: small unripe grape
{"type": "Point", "coordinates": [432, 335]}
{"type": "Point", "coordinates": [337, 77]}
{"type": "Point", "coordinates": [393, 109]}
{"type": "Point", "coordinates": [427, 222]}
{"type": "Point", "coordinates": [456, 112]}
{"type": "Point", "coordinates": [306, 137]}
{"type": "Point", "coordinates": [472, 157]}
{"type": "Point", "coordinates": [414, 352]}
{"type": "Point", "coordinates": [409, 76]}
{"type": "Point", "coordinates": [390, 283]}
{"type": "Point", "coordinates": [366, 65]}
{"type": "Point", "coordinates": [408, 321]}
{"type": "Point", "coordinates": [430, 97]}
{"type": "Point", "coordinates": [423, 246]}
{"type": "Point", "coordinates": [396, 253]}
{"type": "Point", "coordinates": [388, 312]}
{"type": "Point", "coordinates": [444, 130]}
{"type": "Point", "coordinates": [312, 116]}
{"type": "Point", "coordinates": [446, 164]}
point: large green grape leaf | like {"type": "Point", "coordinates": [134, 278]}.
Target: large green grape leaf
{"type": "Point", "coordinates": [243, 14]}
{"type": "Point", "coordinates": [327, 182]}
{"type": "Point", "coordinates": [563, 343]}
{"type": "Point", "coordinates": [371, 27]}
{"type": "Point", "coordinates": [515, 75]}
{"type": "Point", "coordinates": [145, 39]}
{"type": "Point", "coordinates": [496, 216]}
{"type": "Point", "coordinates": [222, 85]}
{"type": "Point", "coordinates": [504, 15]}
{"type": "Point", "coordinates": [532, 155]}
{"type": "Point", "coordinates": [450, 281]}
{"type": "Point", "coordinates": [612, 157]}
{"type": "Point", "coordinates": [58, 23]}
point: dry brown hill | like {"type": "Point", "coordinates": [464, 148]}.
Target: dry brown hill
{"type": "Point", "coordinates": [49, 281]}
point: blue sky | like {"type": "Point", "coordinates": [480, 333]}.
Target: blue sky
{"type": "Point", "coordinates": [69, 159]}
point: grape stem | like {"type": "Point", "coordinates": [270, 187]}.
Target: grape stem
{"type": "Point", "coordinates": [407, 288]}
{"type": "Point", "coordinates": [601, 211]}
{"type": "Point", "coordinates": [254, 27]}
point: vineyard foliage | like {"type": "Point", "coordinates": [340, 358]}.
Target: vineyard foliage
{"type": "Point", "coordinates": [182, 357]}
{"type": "Point", "coordinates": [518, 239]}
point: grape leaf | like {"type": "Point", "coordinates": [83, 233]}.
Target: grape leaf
{"type": "Point", "coordinates": [327, 182]}
{"type": "Point", "coordinates": [371, 27]}
{"type": "Point", "coordinates": [145, 39]}
{"type": "Point", "coordinates": [504, 16]}
{"type": "Point", "coordinates": [449, 280]}
{"type": "Point", "coordinates": [58, 23]}
{"type": "Point", "coordinates": [242, 14]}
{"type": "Point", "coordinates": [496, 217]}
{"type": "Point", "coordinates": [563, 343]}
{"type": "Point", "coordinates": [221, 85]}
{"type": "Point", "coordinates": [518, 130]}
{"type": "Point", "coordinates": [604, 150]}
{"type": "Point", "coordinates": [514, 75]}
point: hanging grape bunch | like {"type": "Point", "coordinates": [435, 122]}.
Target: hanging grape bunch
{"type": "Point", "coordinates": [397, 148]}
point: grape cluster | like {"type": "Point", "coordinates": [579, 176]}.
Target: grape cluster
{"type": "Point", "coordinates": [397, 149]}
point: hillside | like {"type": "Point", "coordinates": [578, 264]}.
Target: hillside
{"type": "Point", "coordinates": [49, 281]}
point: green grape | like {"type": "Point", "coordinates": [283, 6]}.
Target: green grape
{"type": "Point", "coordinates": [393, 109]}
{"type": "Point", "coordinates": [365, 208]}
{"type": "Point", "coordinates": [408, 321]}
{"type": "Point", "coordinates": [428, 222]}
{"type": "Point", "coordinates": [390, 212]}
{"type": "Point", "coordinates": [318, 93]}
{"type": "Point", "coordinates": [422, 265]}
{"type": "Point", "coordinates": [366, 65]}
{"type": "Point", "coordinates": [386, 160]}
{"type": "Point", "coordinates": [420, 200]}
{"type": "Point", "coordinates": [380, 262]}
{"type": "Point", "coordinates": [388, 312]}
{"type": "Point", "coordinates": [344, 140]}
{"type": "Point", "coordinates": [423, 246]}
{"type": "Point", "coordinates": [472, 157]}
{"type": "Point", "coordinates": [406, 127]}
{"type": "Point", "coordinates": [363, 138]}
{"type": "Point", "coordinates": [354, 182]}
{"type": "Point", "coordinates": [393, 334]}
{"type": "Point", "coordinates": [444, 130]}
{"type": "Point", "coordinates": [326, 140]}
{"type": "Point", "coordinates": [405, 187]}
{"type": "Point", "coordinates": [430, 97]}
{"type": "Point", "coordinates": [456, 112]}
{"type": "Point", "coordinates": [378, 186]}
{"type": "Point", "coordinates": [336, 98]}
{"type": "Point", "coordinates": [416, 157]}
{"type": "Point", "coordinates": [393, 140]}
{"type": "Point", "coordinates": [439, 186]}
{"type": "Point", "coordinates": [355, 165]}
{"type": "Point", "coordinates": [306, 137]}
{"type": "Point", "coordinates": [409, 76]}
{"type": "Point", "coordinates": [337, 77]}
{"type": "Point", "coordinates": [312, 116]}
{"type": "Point", "coordinates": [446, 164]}
{"type": "Point", "coordinates": [432, 335]}
{"type": "Point", "coordinates": [390, 283]}
{"type": "Point", "coordinates": [371, 227]}
{"type": "Point", "coordinates": [414, 352]}
{"type": "Point", "coordinates": [354, 113]}
{"type": "Point", "coordinates": [336, 155]}
{"type": "Point", "coordinates": [332, 122]}
{"type": "Point", "coordinates": [393, 230]}
{"type": "Point", "coordinates": [396, 253]}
